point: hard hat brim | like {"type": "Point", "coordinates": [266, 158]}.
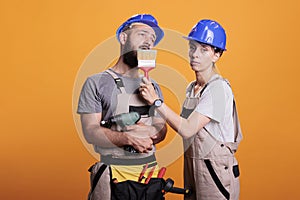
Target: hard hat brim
{"type": "Point", "coordinates": [158, 31]}
{"type": "Point", "coordinates": [197, 40]}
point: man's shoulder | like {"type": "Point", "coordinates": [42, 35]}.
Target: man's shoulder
{"type": "Point", "coordinates": [156, 85]}
{"type": "Point", "coordinates": [101, 76]}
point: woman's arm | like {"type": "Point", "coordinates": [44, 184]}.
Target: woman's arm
{"type": "Point", "coordinates": [185, 127]}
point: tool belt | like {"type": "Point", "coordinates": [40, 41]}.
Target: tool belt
{"type": "Point", "coordinates": [126, 190]}
{"type": "Point", "coordinates": [155, 189]}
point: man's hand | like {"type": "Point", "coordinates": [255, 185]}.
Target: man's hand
{"type": "Point", "coordinates": [141, 136]}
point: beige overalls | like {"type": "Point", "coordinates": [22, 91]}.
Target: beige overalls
{"type": "Point", "coordinates": [210, 168]}
{"type": "Point", "coordinates": [117, 156]}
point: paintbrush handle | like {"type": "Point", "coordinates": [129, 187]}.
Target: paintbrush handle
{"type": "Point", "coordinates": [146, 71]}
{"type": "Point", "coordinates": [147, 74]}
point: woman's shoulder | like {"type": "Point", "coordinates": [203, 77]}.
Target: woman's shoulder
{"type": "Point", "coordinates": [218, 81]}
{"type": "Point", "coordinates": [217, 85]}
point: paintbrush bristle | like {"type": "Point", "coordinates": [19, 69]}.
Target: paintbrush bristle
{"type": "Point", "coordinates": [146, 54]}
{"type": "Point", "coordinates": [146, 58]}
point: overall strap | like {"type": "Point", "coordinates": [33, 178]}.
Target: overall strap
{"type": "Point", "coordinates": [215, 79]}
{"type": "Point", "coordinates": [117, 79]}
{"type": "Point", "coordinates": [98, 176]}
{"type": "Point", "coordinates": [237, 130]}
{"type": "Point", "coordinates": [237, 126]}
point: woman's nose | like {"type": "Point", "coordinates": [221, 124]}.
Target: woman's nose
{"type": "Point", "coordinates": [194, 53]}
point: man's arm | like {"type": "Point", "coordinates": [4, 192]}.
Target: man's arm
{"type": "Point", "coordinates": [157, 131]}
{"type": "Point", "coordinates": [160, 131]}
{"type": "Point", "coordinates": [104, 137]}
{"type": "Point", "coordinates": [97, 135]}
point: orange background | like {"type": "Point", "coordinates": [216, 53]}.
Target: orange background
{"type": "Point", "coordinates": [43, 44]}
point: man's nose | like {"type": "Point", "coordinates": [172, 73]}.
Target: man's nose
{"type": "Point", "coordinates": [148, 41]}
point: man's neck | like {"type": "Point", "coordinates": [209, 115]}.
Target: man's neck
{"type": "Point", "coordinates": [121, 68]}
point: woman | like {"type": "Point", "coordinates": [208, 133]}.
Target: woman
{"type": "Point", "coordinates": [208, 122]}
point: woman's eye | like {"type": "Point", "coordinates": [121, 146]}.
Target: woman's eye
{"type": "Point", "coordinates": [192, 48]}
{"type": "Point", "coordinates": [203, 50]}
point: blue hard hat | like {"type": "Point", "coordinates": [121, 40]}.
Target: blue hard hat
{"type": "Point", "coordinates": [145, 19]}
{"type": "Point", "coordinates": [208, 32]}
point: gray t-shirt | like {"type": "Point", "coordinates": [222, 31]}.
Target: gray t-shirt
{"type": "Point", "coordinates": [216, 102]}
{"type": "Point", "coordinates": [99, 93]}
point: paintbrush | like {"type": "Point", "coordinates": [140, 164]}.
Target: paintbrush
{"type": "Point", "coordinates": [146, 61]}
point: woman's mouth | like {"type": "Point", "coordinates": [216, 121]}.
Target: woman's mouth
{"type": "Point", "coordinates": [192, 63]}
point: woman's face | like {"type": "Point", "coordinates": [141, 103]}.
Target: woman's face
{"type": "Point", "coordinates": [202, 56]}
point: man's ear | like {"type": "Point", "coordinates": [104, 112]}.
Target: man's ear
{"type": "Point", "coordinates": [123, 37]}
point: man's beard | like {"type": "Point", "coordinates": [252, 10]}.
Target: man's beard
{"type": "Point", "coordinates": [129, 56]}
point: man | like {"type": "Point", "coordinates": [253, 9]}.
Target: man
{"type": "Point", "coordinates": [113, 92]}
